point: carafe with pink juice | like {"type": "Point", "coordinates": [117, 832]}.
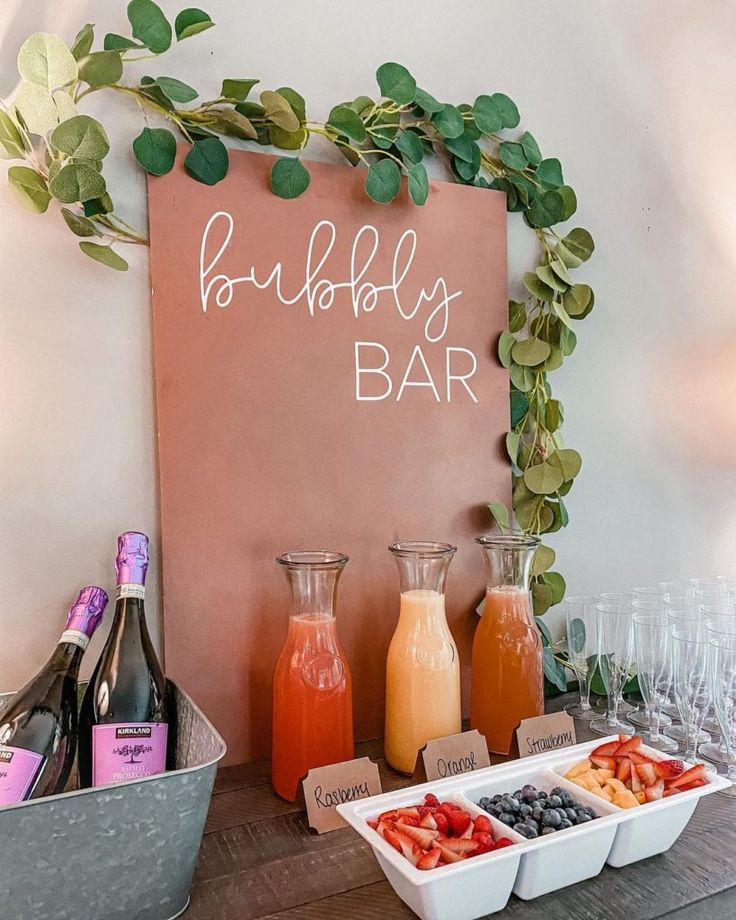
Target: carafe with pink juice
{"type": "Point", "coordinates": [422, 668]}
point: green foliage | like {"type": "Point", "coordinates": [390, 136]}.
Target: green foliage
{"type": "Point", "coordinates": [393, 136]}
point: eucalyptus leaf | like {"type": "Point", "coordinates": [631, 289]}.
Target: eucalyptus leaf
{"type": "Point", "coordinates": [519, 406]}
{"type": "Point", "coordinates": [580, 243]}
{"type": "Point", "coordinates": [426, 102]}
{"type": "Point", "coordinates": [537, 287]}
{"type": "Point", "coordinates": [395, 82]}
{"type": "Point", "coordinates": [79, 224]}
{"type": "Point", "coordinates": [462, 147]}
{"type": "Point", "coordinates": [190, 22]}
{"type": "Point", "coordinates": [383, 181]}
{"type": "Point", "coordinates": [500, 514]}
{"type": "Point", "coordinates": [569, 200]}
{"type": "Point", "coordinates": [81, 136]}
{"type": "Point", "coordinates": [509, 113]}
{"type": "Point", "coordinates": [568, 462]}
{"type": "Point", "coordinates": [29, 189]}
{"type": "Point", "coordinates": [150, 25]}
{"type": "Point", "coordinates": [37, 108]}
{"type": "Point", "coordinates": [541, 602]}
{"type": "Point", "coordinates": [576, 636]}
{"type": "Point", "coordinates": [544, 630]}
{"type": "Point", "coordinates": [114, 42]}
{"type": "Point", "coordinates": [548, 277]}
{"type": "Point", "coordinates": [522, 377]}
{"type": "Point", "coordinates": [418, 183]}
{"type": "Point", "coordinates": [543, 478]}
{"type": "Point", "coordinates": [45, 60]}
{"type": "Point", "coordinates": [576, 299]}
{"type": "Point", "coordinates": [549, 173]}
{"type": "Point", "coordinates": [547, 209]}
{"type": "Point", "coordinates": [409, 144]}
{"type": "Point", "coordinates": [531, 149]}
{"type": "Point", "coordinates": [279, 111]}
{"type": "Point", "coordinates": [506, 342]}
{"type": "Point", "coordinates": [207, 161]}
{"type": "Point", "coordinates": [155, 150]}
{"type": "Point", "coordinates": [105, 255]}
{"type": "Point", "coordinates": [568, 341]}
{"type": "Point", "coordinates": [544, 558]}
{"type": "Point", "coordinates": [64, 103]}
{"type": "Point", "coordinates": [289, 177]}
{"type": "Point", "coordinates": [12, 146]}
{"type": "Point", "coordinates": [82, 44]}
{"type": "Point", "coordinates": [560, 269]}
{"type": "Point", "coordinates": [347, 122]}
{"type": "Point", "coordinates": [488, 115]}
{"type": "Point", "coordinates": [295, 100]}
{"type": "Point", "coordinates": [530, 352]}
{"type": "Point", "coordinates": [230, 121]}
{"type": "Point", "coordinates": [448, 121]}
{"type": "Point", "coordinates": [101, 205]}
{"type": "Point", "coordinates": [101, 68]}
{"type": "Point", "coordinates": [77, 182]}
{"type": "Point", "coordinates": [176, 90]}
{"type": "Point", "coordinates": [562, 313]}
{"type": "Point", "coordinates": [285, 140]}
{"type": "Point", "coordinates": [512, 155]}
{"type": "Point", "coordinates": [237, 90]}
{"type": "Point", "coordinates": [556, 583]}
{"type": "Point", "coordinates": [513, 440]}
{"type": "Point", "coordinates": [361, 104]}
{"type": "Point", "coordinates": [517, 316]}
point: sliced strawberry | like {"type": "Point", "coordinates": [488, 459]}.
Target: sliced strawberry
{"type": "Point", "coordinates": [428, 821]}
{"type": "Point", "coordinates": [484, 844]}
{"type": "Point", "coordinates": [605, 750]}
{"type": "Point", "coordinates": [430, 799]}
{"type": "Point", "coordinates": [483, 837]}
{"type": "Point", "coordinates": [504, 842]}
{"type": "Point", "coordinates": [647, 774]}
{"type": "Point", "coordinates": [409, 812]}
{"type": "Point", "coordinates": [623, 738]}
{"type": "Point", "coordinates": [383, 825]}
{"type": "Point", "coordinates": [373, 824]}
{"type": "Point", "coordinates": [447, 808]}
{"type": "Point", "coordinates": [448, 855]}
{"type": "Point", "coordinates": [655, 791]}
{"type": "Point", "coordinates": [669, 792]}
{"type": "Point", "coordinates": [460, 844]}
{"type": "Point", "coordinates": [605, 763]}
{"type": "Point", "coordinates": [669, 769]}
{"type": "Point", "coordinates": [410, 850]}
{"type": "Point", "coordinates": [390, 836]}
{"type": "Point", "coordinates": [408, 821]}
{"type": "Point", "coordinates": [426, 810]}
{"type": "Point", "coordinates": [459, 821]}
{"type": "Point", "coordinates": [696, 772]}
{"type": "Point", "coordinates": [442, 822]}
{"type": "Point", "coordinates": [629, 744]}
{"type": "Point", "coordinates": [431, 859]}
{"type": "Point", "coordinates": [482, 824]}
{"type": "Point", "coordinates": [623, 770]}
{"type": "Point", "coordinates": [388, 816]}
{"type": "Point", "coordinates": [638, 757]}
{"type": "Point", "coordinates": [425, 838]}
{"type": "Point", "coordinates": [635, 781]}
{"type": "Point", "coordinates": [695, 784]}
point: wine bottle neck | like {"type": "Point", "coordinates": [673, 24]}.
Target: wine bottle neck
{"type": "Point", "coordinates": [68, 654]}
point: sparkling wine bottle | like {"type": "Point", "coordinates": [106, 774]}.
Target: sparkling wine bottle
{"type": "Point", "coordinates": [124, 719]}
{"type": "Point", "coordinates": [38, 727]}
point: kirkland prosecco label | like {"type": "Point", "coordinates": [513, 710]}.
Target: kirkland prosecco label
{"type": "Point", "coordinates": [130, 590]}
{"type": "Point", "coordinates": [18, 770]}
{"type": "Point", "coordinates": [130, 750]}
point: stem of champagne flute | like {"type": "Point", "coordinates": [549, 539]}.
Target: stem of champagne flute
{"type": "Point", "coordinates": [691, 739]}
{"type": "Point", "coordinates": [613, 700]}
{"type": "Point", "coordinates": [584, 688]}
{"type": "Point", "coordinates": [653, 714]}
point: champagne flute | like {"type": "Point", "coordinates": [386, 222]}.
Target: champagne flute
{"type": "Point", "coordinates": [690, 677]}
{"type": "Point", "coordinates": [651, 645]}
{"type": "Point", "coordinates": [581, 619]}
{"type": "Point", "coordinates": [683, 618]}
{"type": "Point", "coordinates": [615, 649]}
{"type": "Point", "coordinates": [641, 605]}
{"type": "Point", "coordinates": [716, 624]}
{"type": "Point", "coordinates": [722, 680]}
{"type": "Point", "coordinates": [623, 598]}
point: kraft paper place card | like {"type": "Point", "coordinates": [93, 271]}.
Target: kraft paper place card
{"type": "Point", "coordinates": [452, 755]}
{"type": "Point", "coordinates": [324, 788]}
{"type": "Point", "coordinates": [545, 733]}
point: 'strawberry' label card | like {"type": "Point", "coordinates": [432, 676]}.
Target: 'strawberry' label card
{"type": "Point", "coordinates": [324, 788]}
{"type": "Point", "coordinates": [452, 755]}
{"type": "Point", "coordinates": [545, 733]}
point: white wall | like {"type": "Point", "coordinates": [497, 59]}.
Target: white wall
{"type": "Point", "coordinates": [636, 99]}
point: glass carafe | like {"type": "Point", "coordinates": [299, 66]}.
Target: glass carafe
{"type": "Point", "coordinates": [507, 682]}
{"type": "Point", "coordinates": [312, 692]}
{"type": "Point", "coordinates": [422, 668]}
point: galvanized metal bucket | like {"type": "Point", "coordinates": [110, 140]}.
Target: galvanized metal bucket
{"type": "Point", "coordinates": [125, 852]}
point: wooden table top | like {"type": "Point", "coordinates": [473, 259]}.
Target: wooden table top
{"type": "Point", "coordinates": [260, 861]}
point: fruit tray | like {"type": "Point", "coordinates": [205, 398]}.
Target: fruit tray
{"type": "Point", "coordinates": [481, 885]}
{"type": "Point", "coordinates": [124, 852]}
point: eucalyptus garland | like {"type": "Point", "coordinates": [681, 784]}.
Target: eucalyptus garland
{"type": "Point", "coordinates": [63, 153]}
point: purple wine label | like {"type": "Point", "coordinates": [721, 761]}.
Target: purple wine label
{"type": "Point", "coordinates": [86, 613]}
{"type": "Point", "coordinates": [128, 750]}
{"type": "Point", "coordinates": [131, 563]}
{"type": "Point", "coordinates": [18, 770]}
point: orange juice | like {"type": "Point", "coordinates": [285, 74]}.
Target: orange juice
{"type": "Point", "coordinates": [507, 676]}
{"type": "Point", "coordinates": [422, 679]}
{"type": "Point", "coordinates": [312, 702]}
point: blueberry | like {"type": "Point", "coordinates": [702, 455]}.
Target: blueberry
{"type": "Point", "coordinates": [567, 800]}
{"type": "Point", "coordinates": [518, 795]}
{"type": "Point", "coordinates": [537, 812]}
{"type": "Point", "coordinates": [529, 793]}
{"type": "Point", "coordinates": [571, 815]}
{"type": "Point", "coordinates": [554, 801]}
{"type": "Point", "coordinates": [525, 810]}
{"type": "Point", "coordinates": [589, 811]}
{"type": "Point", "coordinates": [533, 830]}
{"type": "Point", "coordinates": [583, 817]}
{"type": "Point", "coordinates": [511, 804]}
{"type": "Point", "coordinates": [508, 819]}
{"type": "Point", "coordinates": [562, 813]}
{"type": "Point", "coordinates": [548, 830]}
{"type": "Point", "coordinates": [558, 790]}
{"type": "Point", "coordinates": [496, 799]}
{"type": "Point", "coordinates": [564, 823]}
{"type": "Point", "coordinates": [551, 818]}
{"type": "Point", "coordinates": [485, 803]}
{"type": "Point", "coordinates": [526, 830]}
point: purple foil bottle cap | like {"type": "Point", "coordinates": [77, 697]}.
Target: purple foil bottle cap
{"type": "Point", "coordinates": [85, 615]}
{"type": "Point", "coordinates": [132, 559]}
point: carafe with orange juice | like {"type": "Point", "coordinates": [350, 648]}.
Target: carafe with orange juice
{"type": "Point", "coordinates": [507, 681]}
{"type": "Point", "coordinates": [422, 668]}
{"type": "Point", "coordinates": [312, 691]}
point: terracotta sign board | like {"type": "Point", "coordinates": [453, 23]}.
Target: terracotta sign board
{"type": "Point", "coordinates": [545, 733]}
{"type": "Point", "coordinates": [454, 754]}
{"type": "Point", "coordinates": [325, 379]}
{"type": "Point", "coordinates": [324, 788]}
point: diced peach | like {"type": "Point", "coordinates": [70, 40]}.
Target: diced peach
{"type": "Point", "coordinates": [582, 767]}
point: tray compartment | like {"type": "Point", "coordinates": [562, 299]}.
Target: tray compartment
{"type": "Point", "coordinates": [123, 852]}
{"type": "Point", "coordinates": [464, 891]}
{"type": "Point", "coordinates": [565, 857]}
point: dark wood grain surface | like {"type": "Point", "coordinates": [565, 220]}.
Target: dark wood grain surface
{"type": "Point", "coordinates": [260, 861]}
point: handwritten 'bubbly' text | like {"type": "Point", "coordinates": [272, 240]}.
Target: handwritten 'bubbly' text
{"type": "Point", "coordinates": [375, 378]}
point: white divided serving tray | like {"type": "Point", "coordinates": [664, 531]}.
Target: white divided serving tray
{"type": "Point", "coordinates": [483, 884]}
